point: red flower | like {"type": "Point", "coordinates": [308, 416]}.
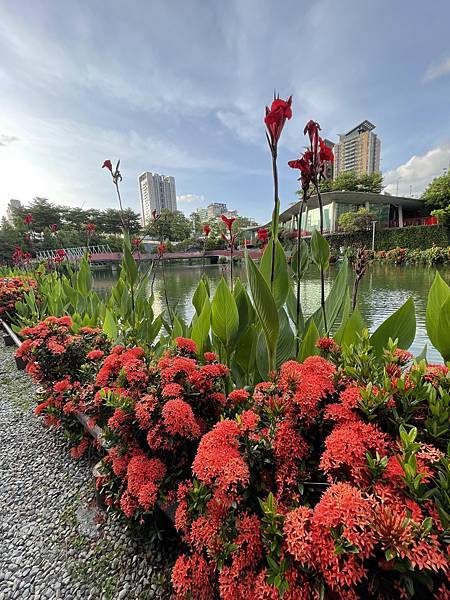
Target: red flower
{"type": "Point", "coordinates": [27, 219]}
{"type": "Point", "coordinates": [95, 354]}
{"type": "Point", "coordinates": [276, 117]}
{"type": "Point", "coordinates": [210, 357]}
{"type": "Point", "coordinates": [262, 235]}
{"type": "Point", "coordinates": [206, 230]}
{"type": "Point", "coordinates": [161, 249]}
{"type": "Point", "coordinates": [186, 344]}
{"type": "Point", "coordinates": [228, 221]}
{"type": "Point", "coordinates": [53, 227]}
{"type": "Point", "coordinates": [136, 242]}
{"type": "Point", "coordinates": [179, 419]}
{"type": "Point", "coordinates": [90, 228]}
{"type": "Point", "coordinates": [325, 153]}
{"type": "Point", "coordinates": [60, 252]}
{"type": "Point", "coordinates": [312, 128]}
{"type": "Point", "coordinates": [108, 165]}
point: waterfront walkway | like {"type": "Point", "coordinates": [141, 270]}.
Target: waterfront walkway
{"type": "Point", "coordinates": [54, 542]}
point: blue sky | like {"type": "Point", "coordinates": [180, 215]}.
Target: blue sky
{"type": "Point", "coordinates": [179, 87]}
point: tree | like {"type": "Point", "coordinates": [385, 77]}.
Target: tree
{"type": "Point", "coordinates": [371, 183]}
{"type": "Point", "coordinates": [173, 226]}
{"type": "Point", "coordinates": [345, 182]}
{"type": "Point", "coordinates": [437, 194]}
{"type": "Point", "coordinates": [355, 221]}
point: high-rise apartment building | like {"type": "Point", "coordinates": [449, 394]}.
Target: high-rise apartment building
{"type": "Point", "coordinates": [216, 209]}
{"type": "Point", "coordinates": [157, 192]}
{"type": "Point", "coordinates": [358, 151]}
{"type": "Point", "coordinates": [329, 166]}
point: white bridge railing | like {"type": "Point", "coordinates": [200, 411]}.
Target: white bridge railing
{"type": "Point", "coordinates": [74, 253]}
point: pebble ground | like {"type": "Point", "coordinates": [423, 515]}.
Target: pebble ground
{"type": "Point", "coordinates": [54, 542]}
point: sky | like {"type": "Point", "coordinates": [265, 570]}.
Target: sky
{"type": "Point", "coordinates": [179, 87]}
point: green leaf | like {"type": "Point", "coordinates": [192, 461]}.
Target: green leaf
{"type": "Point", "coordinates": [178, 328]}
{"type": "Point", "coordinates": [199, 296]}
{"type": "Point", "coordinates": [291, 305]}
{"type": "Point", "coordinates": [320, 250]}
{"type": "Point", "coordinates": [265, 308]}
{"type": "Point", "coordinates": [244, 306]}
{"type": "Point", "coordinates": [350, 328]}
{"type": "Point", "coordinates": [401, 326]}
{"type": "Point", "coordinates": [286, 340]}
{"type": "Point", "coordinates": [225, 316]}
{"type": "Point", "coordinates": [129, 265]}
{"type": "Point", "coordinates": [438, 316]}
{"type": "Point", "coordinates": [423, 354]}
{"type": "Point", "coordinates": [245, 353]}
{"type": "Point", "coordinates": [334, 300]}
{"type": "Point", "coordinates": [304, 259]}
{"type": "Point", "coordinates": [308, 345]}
{"type": "Point", "coordinates": [110, 325]}
{"type": "Point", "coordinates": [281, 275]}
{"type": "Point", "coordinates": [84, 277]}
{"type": "Point", "coordinates": [200, 329]}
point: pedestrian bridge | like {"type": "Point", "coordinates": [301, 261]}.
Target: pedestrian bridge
{"type": "Point", "coordinates": [104, 255]}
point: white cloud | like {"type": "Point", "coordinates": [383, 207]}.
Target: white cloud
{"type": "Point", "coordinates": [437, 69]}
{"type": "Point", "coordinates": [418, 171]}
{"type": "Point", "coordinates": [6, 140]}
{"type": "Point", "coordinates": [190, 198]}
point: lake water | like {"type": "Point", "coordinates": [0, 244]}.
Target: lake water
{"type": "Point", "coordinates": [383, 289]}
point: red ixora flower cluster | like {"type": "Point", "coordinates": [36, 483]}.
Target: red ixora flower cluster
{"type": "Point", "coordinates": [336, 516]}
{"type": "Point", "coordinates": [157, 412]}
{"type": "Point", "coordinates": [12, 290]}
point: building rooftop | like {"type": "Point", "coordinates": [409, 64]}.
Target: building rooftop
{"type": "Point", "coordinates": [351, 198]}
{"type": "Point", "coordinates": [363, 126]}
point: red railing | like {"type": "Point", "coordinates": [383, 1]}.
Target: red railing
{"type": "Point", "coordinates": [415, 222]}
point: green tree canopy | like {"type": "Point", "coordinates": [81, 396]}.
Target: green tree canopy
{"type": "Point", "coordinates": [437, 194]}
{"type": "Point", "coordinates": [355, 221]}
{"type": "Point", "coordinates": [173, 226]}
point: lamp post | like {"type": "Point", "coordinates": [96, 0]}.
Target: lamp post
{"type": "Point", "coordinates": [373, 235]}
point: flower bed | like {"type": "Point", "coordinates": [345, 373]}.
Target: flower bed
{"type": "Point", "coordinates": [12, 290]}
{"type": "Point", "coordinates": [302, 488]}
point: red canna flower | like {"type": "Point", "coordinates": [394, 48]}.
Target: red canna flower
{"type": "Point", "coordinates": [107, 165]}
{"type": "Point", "coordinates": [325, 153]}
{"type": "Point", "coordinates": [27, 237]}
{"type": "Point", "coordinates": [161, 249]}
{"type": "Point", "coordinates": [262, 235]}
{"type": "Point", "coordinates": [136, 242]}
{"type": "Point", "coordinates": [276, 117]}
{"type": "Point", "coordinates": [53, 227]}
{"type": "Point", "coordinates": [206, 230]}
{"type": "Point", "coordinates": [90, 228]}
{"type": "Point", "coordinates": [228, 221]}
{"type": "Point", "coordinates": [60, 252]}
{"type": "Point", "coordinates": [312, 128]}
{"type": "Point", "coordinates": [27, 219]}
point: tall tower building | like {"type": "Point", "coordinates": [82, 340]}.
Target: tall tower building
{"type": "Point", "coordinates": [358, 151]}
{"type": "Point", "coordinates": [157, 192]}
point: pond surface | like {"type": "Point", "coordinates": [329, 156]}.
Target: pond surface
{"type": "Point", "coordinates": [383, 290]}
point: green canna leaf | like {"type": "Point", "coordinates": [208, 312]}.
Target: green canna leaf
{"type": "Point", "coordinates": [225, 316]}
{"type": "Point", "coordinates": [401, 325]}
{"type": "Point", "coordinates": [265, 308]}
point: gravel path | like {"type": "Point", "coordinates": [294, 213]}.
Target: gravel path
{"type": "Point", "coordinates": [54, 542]}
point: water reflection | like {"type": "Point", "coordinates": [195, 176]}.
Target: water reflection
{"type": "Point", "coordinates": [384, 289]}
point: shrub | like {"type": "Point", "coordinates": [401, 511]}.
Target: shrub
{"type": "Point", "coordinates": [311, 492]}
{"type": "Point", "coordinates": [356, 221]}
{"type": "Point", "coordinates": [12, 290]}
